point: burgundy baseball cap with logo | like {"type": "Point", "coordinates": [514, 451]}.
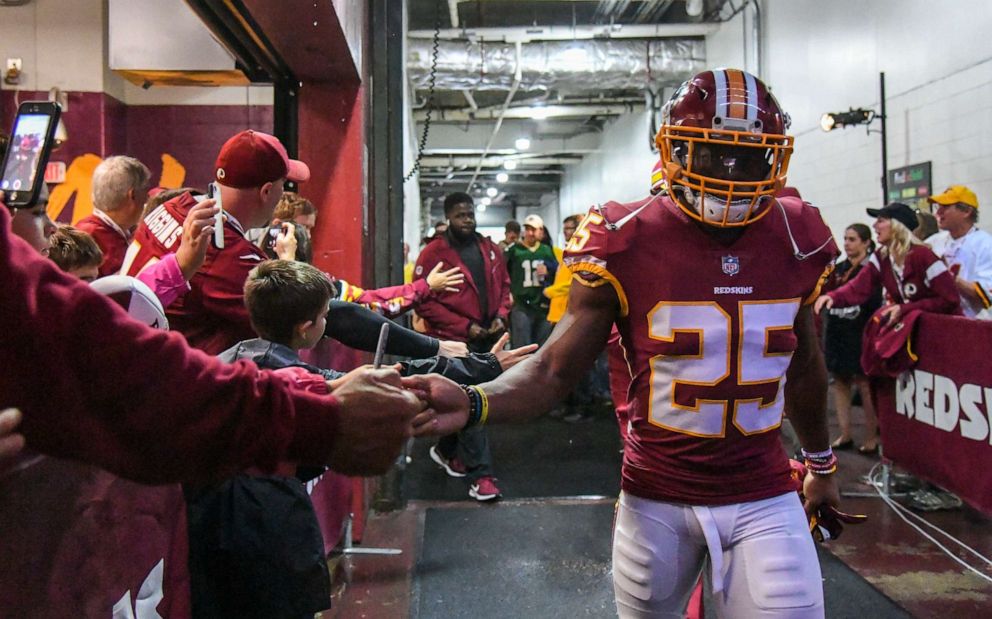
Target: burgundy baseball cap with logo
{"type": "Point", "coordinates": [253, 158]}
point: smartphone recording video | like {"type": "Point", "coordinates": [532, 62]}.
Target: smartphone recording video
{"type": "Point", "coordinates": [27, 153]}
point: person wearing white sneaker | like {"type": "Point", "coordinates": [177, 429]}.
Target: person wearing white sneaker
{"type": "Point", "coordinates": [484, 489]}
{"type": "Point", "coordinates": [452, 466]}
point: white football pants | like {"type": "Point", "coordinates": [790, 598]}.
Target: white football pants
{"type": "Point", "coordinates": [761, 554]}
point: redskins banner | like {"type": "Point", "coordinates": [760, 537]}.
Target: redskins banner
{"type": "Point", "coordinates": [935, 418]}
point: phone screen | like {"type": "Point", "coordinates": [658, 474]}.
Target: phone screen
{"type": "Point", "coordinates": [25, 151]}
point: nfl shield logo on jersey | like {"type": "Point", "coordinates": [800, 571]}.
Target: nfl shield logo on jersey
{"type": "Point", "coordinates": [731, 265]}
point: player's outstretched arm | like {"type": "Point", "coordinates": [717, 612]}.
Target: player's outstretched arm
{"type": "Point", "coordinates": [806, 403]}
{"type": "Point", "coordinates": [535, 385]}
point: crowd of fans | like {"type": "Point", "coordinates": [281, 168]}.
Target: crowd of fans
{"type": "Point", "coordinates": [258, 299]}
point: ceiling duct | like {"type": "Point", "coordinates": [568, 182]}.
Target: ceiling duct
{"type": "Point", "coordinates": [564, 66]}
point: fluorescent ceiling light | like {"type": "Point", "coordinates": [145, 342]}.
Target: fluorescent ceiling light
{"type": "Point", "coordinates": [502, 177]}
{"type": "Point", "coordinates": [491, 192]}
{"type": "Point", "coordinates": [522, 143]}
{"type": "Point", "coordinates": [510, 164]}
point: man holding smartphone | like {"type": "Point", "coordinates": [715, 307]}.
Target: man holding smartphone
{"type": "Point", "coordinates": [250, 171]}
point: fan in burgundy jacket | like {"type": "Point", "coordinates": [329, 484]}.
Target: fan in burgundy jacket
{"type": "Point", "coordinates": [120, 190]}
{"type": "Point", "coordinates": [450, 315]}
{"type": "Point", "coordinates": [917, 280]}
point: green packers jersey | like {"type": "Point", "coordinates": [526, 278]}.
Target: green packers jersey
{"type": "Point", "coordinates": [526, 283]}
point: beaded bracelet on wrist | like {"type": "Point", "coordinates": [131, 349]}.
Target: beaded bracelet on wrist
{"type": "Point", "coordinates": [820, 462]}
{"type": "Point", "coordinates": [478, 405]}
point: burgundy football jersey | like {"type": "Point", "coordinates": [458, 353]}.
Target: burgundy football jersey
{"type": "Point", "coordinates": [212, 315]}
{"type": "Point", "coordinates": [707, 329]}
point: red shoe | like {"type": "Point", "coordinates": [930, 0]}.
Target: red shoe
{"type": "Point", "coordinates": [451, 466]}
{"type": "Point", "coordinates": [484, 489]}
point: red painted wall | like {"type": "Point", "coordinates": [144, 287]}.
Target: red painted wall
{"type": "Point", "coordinates": [332, 142]}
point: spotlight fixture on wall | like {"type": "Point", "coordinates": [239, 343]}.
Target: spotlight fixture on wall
{"type": "Point", "coordinates": [502, 177]}
{"type": "Point", "coordinates": [860, 116]}
{"type": "Point", "coordinates": [850, 118]}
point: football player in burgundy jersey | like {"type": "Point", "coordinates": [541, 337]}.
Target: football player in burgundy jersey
{"type": "Point", "coordinates": [710, 285]}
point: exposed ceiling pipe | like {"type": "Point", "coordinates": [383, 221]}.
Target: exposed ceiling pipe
{"type": "Point", "coordinates": [756, 36]}
{"type": "Point", "coordinates": [565, 66]}
{"type": "Point", "coordinates": [506, 153]}
{"type": "Point", "coordinates": [570, 33]}
{"type": "Point", "coordinates": [472, 105]}
{"type": "Point", "coordinates": [453, 11]}
{"type": "Point", "coordinates": [530, 112]}
{"type": "Point", "coordinates": [517, 77]}
{"type": "Point", "coordinates": [456, 173]}
{"type": "Point", "coordinates": [497, 162]}
{"type": "Point", "coordinates": [640, 15]}
{"type": "Point", "coordinates": [603, 10]}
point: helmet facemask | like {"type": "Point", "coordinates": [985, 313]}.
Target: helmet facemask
{"type": "Point", "coordinates": [723, 147]}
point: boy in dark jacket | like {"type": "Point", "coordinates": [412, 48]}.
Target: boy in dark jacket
{"type": "Point", "coordinates": [255, 545]}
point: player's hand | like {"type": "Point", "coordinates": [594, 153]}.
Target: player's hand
{"type": "Point", "coordinates": [447, 281]}
{"type": "Point", "coordinates": [820, 491]}
{"type": "Point", "coordinates": [542, 269]}
{"type": "Point", "coordinates": [450, 349]}
{"type": "Point", "coordinates": [375, 418]}
{"type": "Point", "coordinates": [11, 442]}
{"type": "Point", "coordinates": [823, 301]}
{"type": "Point", "coordinates": [476, 332]}
{"type": "Point", "coordinates": [286, 242]}
{"type": "Point", "coordinates": [890, 314]}
{"type": "Point", "coordinates": [198, 229]}
{"type": "Point", "coordinates": [446, 401]}
{"type": "Point", "coordinates": [509, 358]}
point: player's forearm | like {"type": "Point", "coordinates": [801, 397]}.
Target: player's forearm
{"type": "Point", "coordinates": [526, 390]}
{"type": "Point", "coordinates": [534, 386]}
{"type": "Point", "coordinates": [806, 387]}
{"type": "Point", "coordinates": [806, 402]}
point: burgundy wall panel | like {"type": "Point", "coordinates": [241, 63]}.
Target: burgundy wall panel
{"type": "Point", "coordinates": [100, 124]}
{"type": "Point", "coordinates": [193, 134]}
{"type": "Point", "coordinates": [93, 121]}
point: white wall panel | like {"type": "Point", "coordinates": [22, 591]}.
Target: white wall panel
{"type": "Point", "coordinates": [64, 43]}
{"type": "Point", "coordinates": [620, 170]}
{"type": "Point", "coordinates": [826, 56]}
{"type": "Point", "coordinates": [60, 42]}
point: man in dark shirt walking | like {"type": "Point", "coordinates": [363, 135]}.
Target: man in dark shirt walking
{"type": "Point", "coordinates": [475, 314]}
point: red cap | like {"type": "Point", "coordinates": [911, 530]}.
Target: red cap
{"type": "Point", "coordinates": [252, 158]}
